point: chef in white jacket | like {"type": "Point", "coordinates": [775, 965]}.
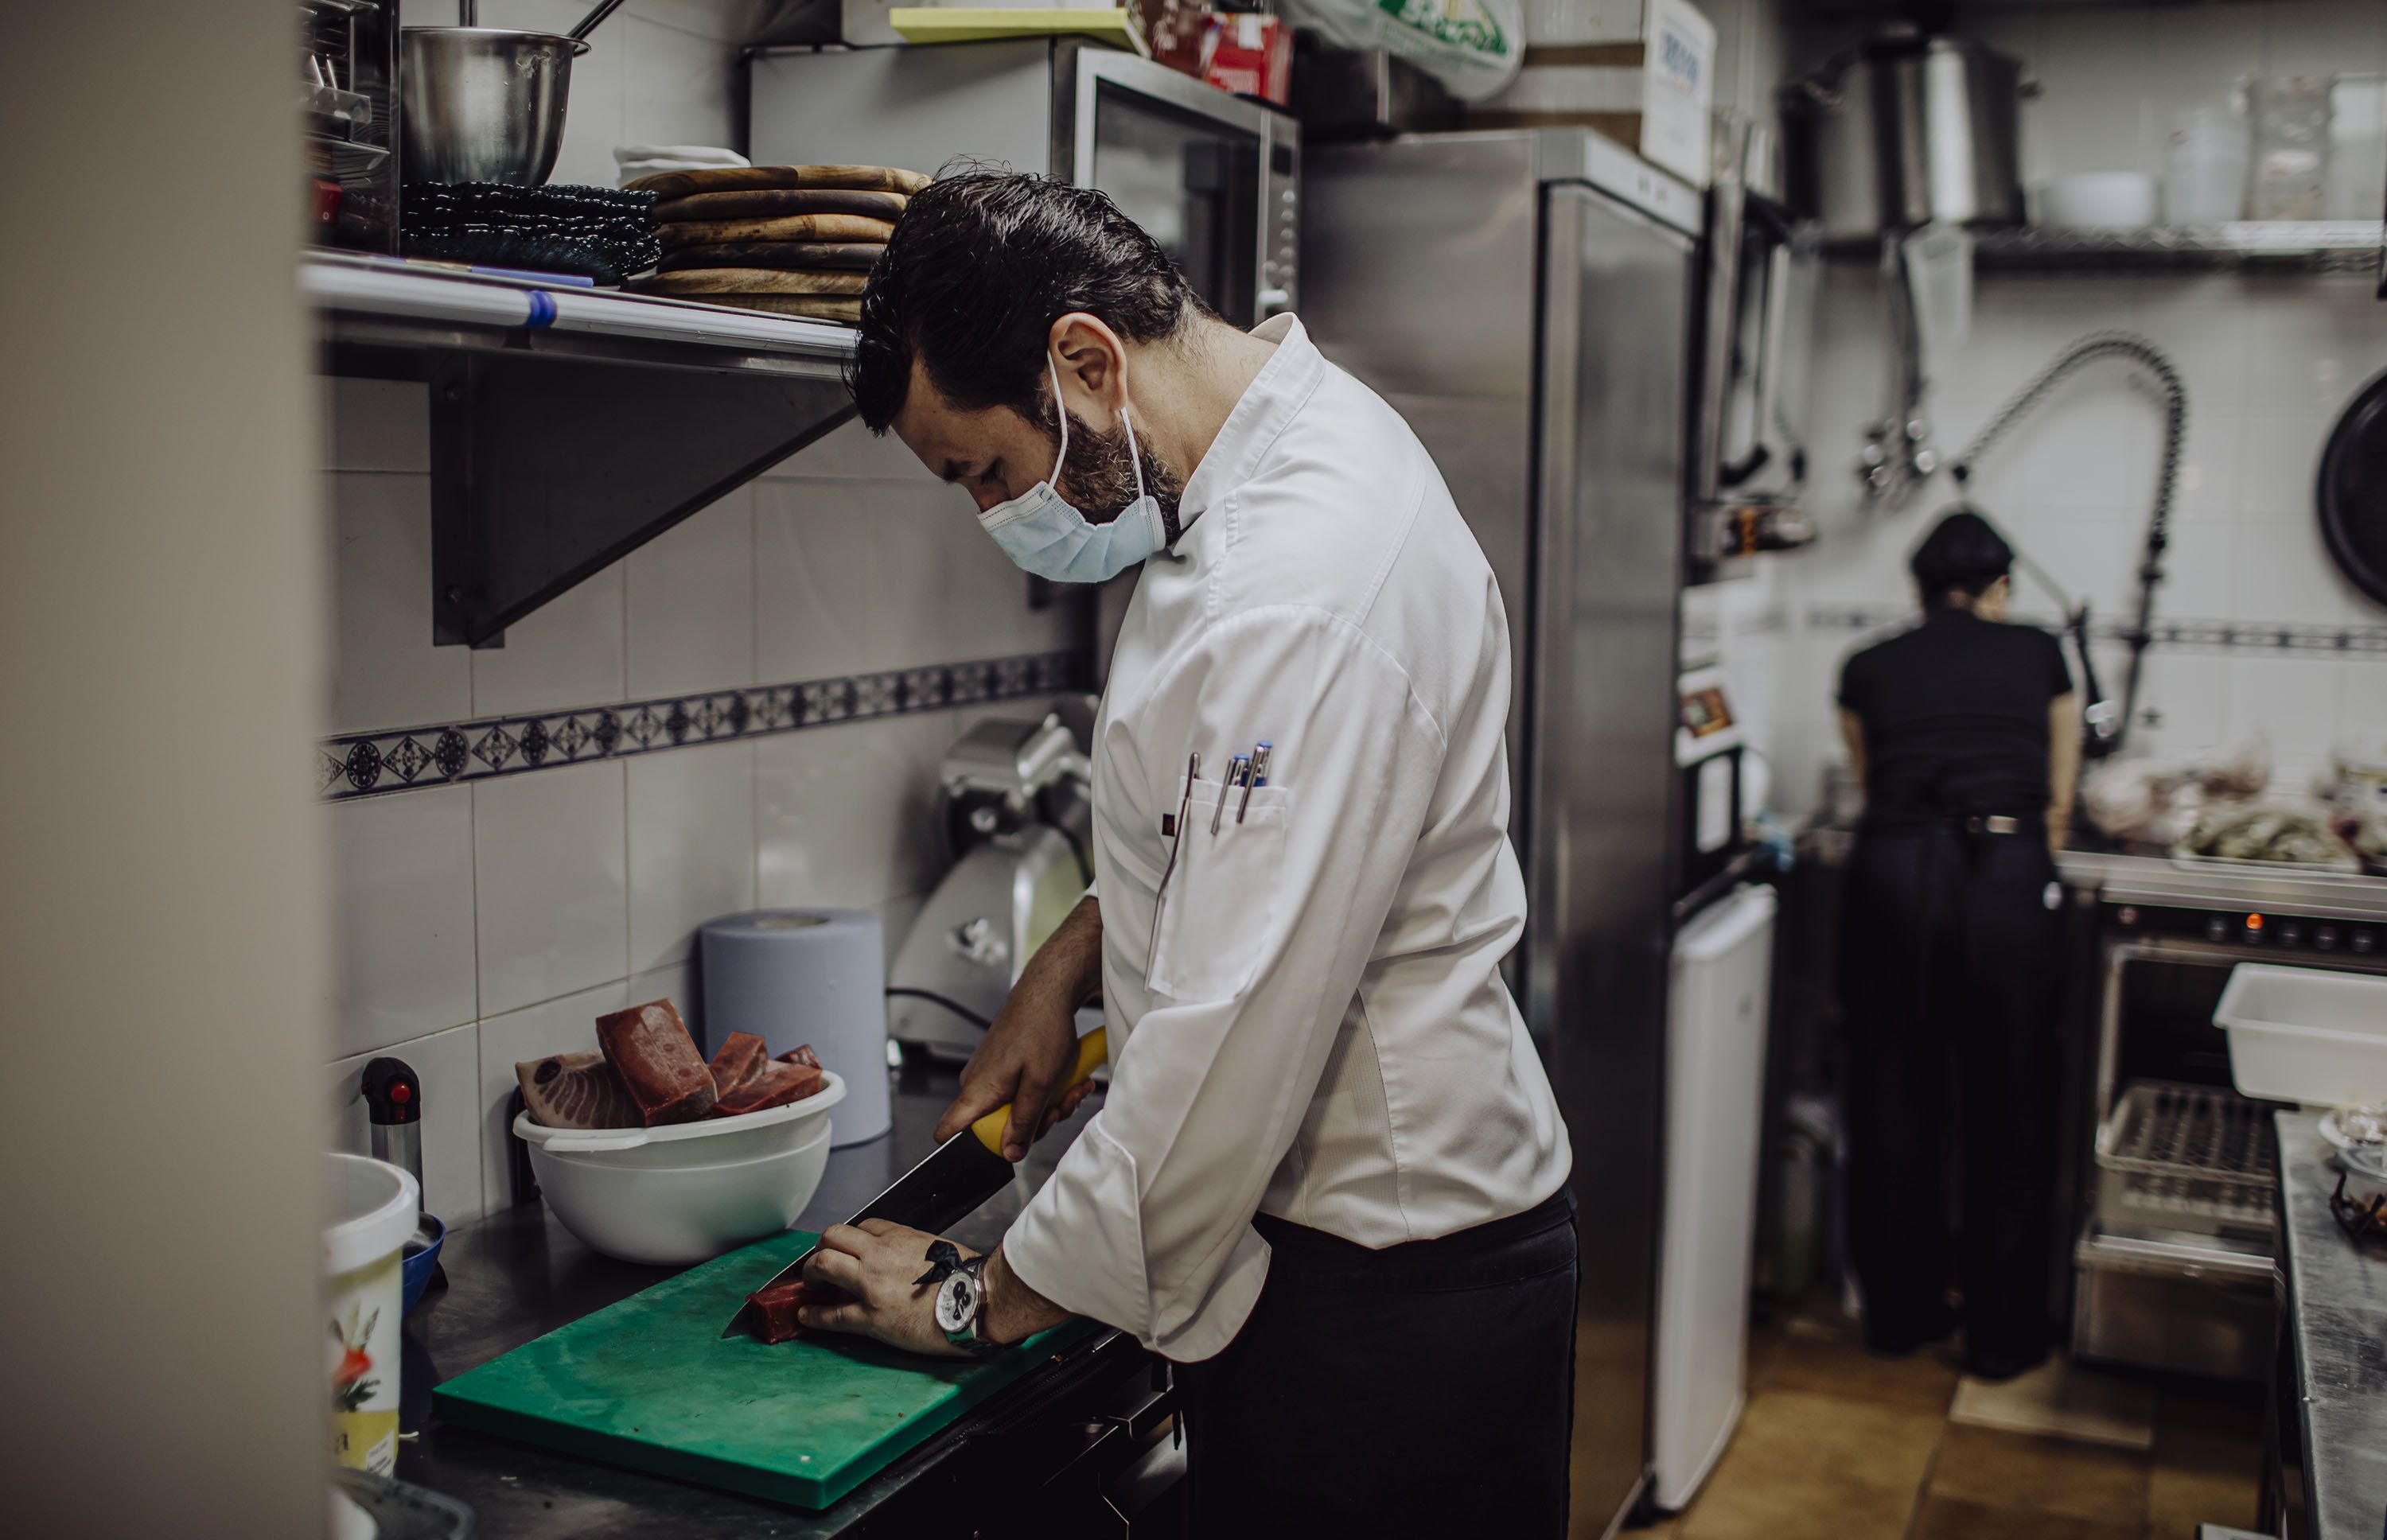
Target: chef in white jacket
{"type": "Point", "coordinates": [1329, 1179]}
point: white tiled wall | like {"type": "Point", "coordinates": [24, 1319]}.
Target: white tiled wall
{"type": "Point", "coordinates": [2269, 363]}
{"type": "Point", "coordinates": [486, 924]}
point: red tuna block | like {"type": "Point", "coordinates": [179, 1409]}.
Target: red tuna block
{"type": "Point", "coordinates": [777, 1085]}
{"type": "Point", "coordinates": [803, 1055]}
{"type": "Point", "coordinates": [741, 1058]}
{"type": "Point", "coordinates": [649, 1046]}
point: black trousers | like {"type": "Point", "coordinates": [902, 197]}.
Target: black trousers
{"type": "Point", "coordinates": [1420, 1390]}
{"type": "Point", "coordinates": [1950, 975]}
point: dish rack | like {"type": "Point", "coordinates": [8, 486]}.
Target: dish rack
{"type": "Point", "coordinates": [2187, 1157]}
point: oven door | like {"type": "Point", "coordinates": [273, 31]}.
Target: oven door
{"type": "Point", "coordinates": [1211, 176]}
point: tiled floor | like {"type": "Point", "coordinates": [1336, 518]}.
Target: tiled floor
{"type": "Point", "coordinates": [1837, 1443]}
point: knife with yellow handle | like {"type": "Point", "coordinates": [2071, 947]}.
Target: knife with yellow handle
{"type": "Point", "coordinates": [960, 1174]}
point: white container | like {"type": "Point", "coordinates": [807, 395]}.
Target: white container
{"type": "Point", "coordinates": [2205, 168]}
{"type": "Point", "coordinates": [2308, 1035]}
{"type": "Point", "coordinates": [2099, 200]}
{"type": "Point", "coordinates": [373, 1206]}
{"type": "Point", "coordinates": [684, 1192]}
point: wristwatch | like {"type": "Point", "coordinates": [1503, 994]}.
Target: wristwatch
{"type": "Point", "coordinates": [961, 1297]}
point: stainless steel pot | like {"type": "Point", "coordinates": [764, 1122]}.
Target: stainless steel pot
{"type": "Point", "coordinates": [483, 103]}
{"type": "Point", "coordinates": [1907, 129]}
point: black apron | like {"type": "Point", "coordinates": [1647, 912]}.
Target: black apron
{"type": "Point", "coordinates": [1950, 975]}
{"type": "Point", "coordinates": [1425, 1389]}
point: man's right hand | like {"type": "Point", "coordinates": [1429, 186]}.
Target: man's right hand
{"type": "Point", "coordinates": [1027, 1050]}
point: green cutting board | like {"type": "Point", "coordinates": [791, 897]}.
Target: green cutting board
{"type": "Point", "coordinates": [652, 1384]}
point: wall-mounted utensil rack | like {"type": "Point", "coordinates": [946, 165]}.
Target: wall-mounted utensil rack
{"type": "Point", "coordinates": [569, 426]}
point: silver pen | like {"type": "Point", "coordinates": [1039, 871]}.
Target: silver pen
{"type": "Point", "coordinates": [1236, 769]}
{"type": "Point", "coordinates": [1257, 777]}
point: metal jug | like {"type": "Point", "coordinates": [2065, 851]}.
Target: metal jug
{"type": "Point", "coordinates": [1904, 131]}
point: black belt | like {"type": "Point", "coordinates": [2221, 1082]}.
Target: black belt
{"type": "Point", "coordinates": [1974, 823]}
{"type": "Point", "coordinates": [1459, 1259]}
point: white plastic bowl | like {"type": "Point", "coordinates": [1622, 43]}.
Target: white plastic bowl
{"type": "Point", "coordinates": [684, 1192]}
{"type": "Point", "coordinates": [2309, 1035]}
{"type": "Point", "coordinates": [2099, 200]}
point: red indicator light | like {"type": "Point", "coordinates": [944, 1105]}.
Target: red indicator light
{"type": "Point", "coordinates": [2254, 922]}
{"type": "Point", "coordinates": [401, 1093]}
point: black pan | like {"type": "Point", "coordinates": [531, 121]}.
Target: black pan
{"type": "Point", "coordinates": [2353, 490]}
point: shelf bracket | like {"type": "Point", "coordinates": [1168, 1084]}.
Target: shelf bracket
{"type": "Point", "coordinates": [544, 469]}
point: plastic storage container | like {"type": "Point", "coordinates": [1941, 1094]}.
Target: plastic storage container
{"type": "Point", "coordinates": [2309, 1035]}
{"type": "Point", "coordinates": [684, 1192]}
{"type": "Point", "coordinates": [2205, 168]}
{"type": "Point", "coordinates": [2292, 146]}
{"type": "Point", "coordinates": [374, 1208]}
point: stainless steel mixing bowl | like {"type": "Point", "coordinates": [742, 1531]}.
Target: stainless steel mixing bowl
{"type": "Point", "coordinates": [483, 103]}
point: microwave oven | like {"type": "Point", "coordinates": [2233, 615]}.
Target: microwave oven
{"type": "Point", "coordinates": [1213, 177]}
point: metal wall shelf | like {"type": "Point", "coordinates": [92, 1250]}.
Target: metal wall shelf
{"type": "Point", "coordinates": [569, 426]}
{"type": "Point", "coordinates": [2306, 247]}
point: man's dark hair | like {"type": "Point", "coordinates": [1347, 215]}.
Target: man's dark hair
{"type": "Point", "coordinates": [1963, 555]}
{"type": "Point", "coordinates": [979, 267]}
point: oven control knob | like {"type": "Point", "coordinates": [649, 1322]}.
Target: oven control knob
{"type": "Point", "coordinates": [2365, 941]}
{"type": "Point", "coordinates": [2291, 934]}
{"type": "Point", "coordinates": [2325, 937]}
{"type": "Point", "coordinates": [2216, 929]}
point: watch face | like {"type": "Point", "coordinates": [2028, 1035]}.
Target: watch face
{"type": "Point", "coordinates": [956, 1304]}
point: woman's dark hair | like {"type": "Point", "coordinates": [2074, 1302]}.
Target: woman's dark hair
{"type": "Point", "coordinates": [1963, 555]}
{"type": "Point", "coordinates": [979, 267]}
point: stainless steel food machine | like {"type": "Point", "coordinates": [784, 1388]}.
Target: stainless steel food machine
{"type": "Point", "coordinates": [2176, 1237]}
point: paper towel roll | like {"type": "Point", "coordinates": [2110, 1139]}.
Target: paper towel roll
{"type": "Point", "coordinates": [807, 976]}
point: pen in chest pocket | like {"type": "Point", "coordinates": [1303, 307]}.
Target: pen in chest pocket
{"type": "Point", "coordinates": [1255, 775]}
{"type": "Point", "coordinates": [1238, 769]}
{"type": "Point", "coordinates": [1173, 830]}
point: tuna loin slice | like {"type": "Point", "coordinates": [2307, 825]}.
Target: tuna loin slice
{"type": "Point", "coordinates": [649, 1046]}
{"type": "Point", "coordinates": [803, 1055]}
{"type": "Point", "coordinates": [777, 1306]}
{"type": "Point", "coordinates": [576, 1091]}
{"type": "Point", "coordinates": [741, 1058]}
{"type": "Point", "coordinates": [777, 1084]}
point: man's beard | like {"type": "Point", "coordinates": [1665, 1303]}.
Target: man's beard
{"type": "Point", "coordinates": [1098, 479]}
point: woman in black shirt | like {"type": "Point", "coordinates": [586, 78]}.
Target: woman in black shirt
{"type": "Point", "coordinates": [1963, 733]}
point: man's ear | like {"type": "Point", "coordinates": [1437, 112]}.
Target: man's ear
{"type": "Point", "coordinates": [1093, 361]}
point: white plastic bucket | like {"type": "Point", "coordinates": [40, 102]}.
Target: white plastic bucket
{"type": "Point", "coordinates": [373, 1212]}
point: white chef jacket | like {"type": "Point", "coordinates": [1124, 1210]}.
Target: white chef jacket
{"type": "Point", "coordinates": [1317, 1026]}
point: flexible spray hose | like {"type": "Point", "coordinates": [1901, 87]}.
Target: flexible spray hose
{"type": "Point", "coordinates": [2106, 736]}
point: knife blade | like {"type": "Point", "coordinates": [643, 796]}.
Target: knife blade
{"type": "Point", "coordinates": [957, 1176]}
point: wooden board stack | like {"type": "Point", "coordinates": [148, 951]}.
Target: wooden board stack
{"type": "Point", "coordinates": [794, 240]}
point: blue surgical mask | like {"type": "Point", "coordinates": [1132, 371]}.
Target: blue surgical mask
{"type": "Point", "coordinates": [1041, 532]}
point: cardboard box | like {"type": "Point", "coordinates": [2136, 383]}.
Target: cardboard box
{"type": "Point", "coordinates": [1651, 92]}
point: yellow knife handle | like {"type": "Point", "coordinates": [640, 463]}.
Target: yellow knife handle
{"type": "Point", "coordinates": [1092, 1048]}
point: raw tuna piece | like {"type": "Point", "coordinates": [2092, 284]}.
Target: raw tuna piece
{"type": "Point", "coordinates": [779, 1084]}
{"type": "Point", "coordinates": [576, 1091]}
{"type": "Point", "coordinates": [741, 1058]}
{"type": "Point", "coordinates": [803, 1055]}
{"type": "Point", "coordinates": [778, 1305]}
{"type": "Point", "coordinates": [649, 1046]}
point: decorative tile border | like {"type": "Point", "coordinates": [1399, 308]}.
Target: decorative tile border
{"type": "Point", "coordinates": [2188, 635]}
{"type": "Point", "coordinates": [404, 759]}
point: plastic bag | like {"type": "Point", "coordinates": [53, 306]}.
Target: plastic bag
{"type": "Point", "coordinates": [1473, 47]}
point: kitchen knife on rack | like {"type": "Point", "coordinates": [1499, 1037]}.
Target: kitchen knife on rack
{"type": "Point", "coordinates": [960, 1174]}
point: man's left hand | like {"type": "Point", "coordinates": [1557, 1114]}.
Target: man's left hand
{"type": "Point", "coordinates": [876, 1262]}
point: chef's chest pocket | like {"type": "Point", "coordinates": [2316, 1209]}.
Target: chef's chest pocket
{"type": "Point", "coordinates": [1218, 905]}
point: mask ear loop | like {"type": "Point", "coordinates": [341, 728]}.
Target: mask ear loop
{"type": "Point", "coordinates": [1061, 411]}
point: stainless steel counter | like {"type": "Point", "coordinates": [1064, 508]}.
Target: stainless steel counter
{"type": "Point", "coordinates": [2156, 879]}
{"type": "Point", "coordinates": [518, 1274]}
{"type": "Point", "coordinates": [2336, 1345]}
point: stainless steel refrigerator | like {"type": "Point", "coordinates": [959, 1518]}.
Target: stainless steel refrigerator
{"type": "Point", "coordinates": [1523, 299]}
